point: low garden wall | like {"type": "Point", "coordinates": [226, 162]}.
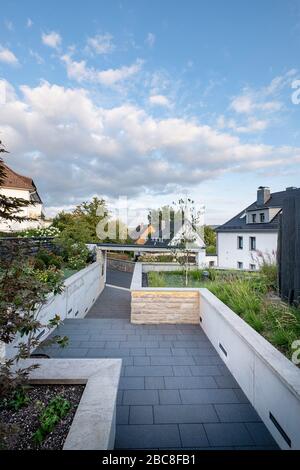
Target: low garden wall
{"type": "Point", "coordinates": [270, 381]}
{"type": "Point", "coordinates": [81, 291]}
{"type": "Point", "coordinates": [159, 305]}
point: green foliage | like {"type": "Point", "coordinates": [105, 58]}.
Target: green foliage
{"type": "Point", "coordinates": [76, 262]}
{"type": "Point", "coordinates": [46, 259]}
{"type": "Point", "coordinates": [156, 279]}
{"type": "Point", "coordinates": [16, 400]}
{"type": "Point", "coordinates": [80, 224]}
{"type": "Point", "coordinates": [210, 239]}
{"type": "Point", "coordinates": [50, 416]}
{"type": "Point", "coordinates": [211, 249]}
{"type": "Point", "coordinates": [74, 253]}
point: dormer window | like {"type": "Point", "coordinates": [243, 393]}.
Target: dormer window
{"type": "Point", "coordinates": [262, 217]}
{"type": "Point", "coordinates": [253, 218]}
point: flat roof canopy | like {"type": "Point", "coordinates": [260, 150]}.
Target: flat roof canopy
{"type": "Point", "coordinates": [133, 247]}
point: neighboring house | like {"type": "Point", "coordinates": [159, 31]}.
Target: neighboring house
{"type": "Point", "coordinates": [159, 240]}
{"type": "Point", "coordinates": [144, 233]}
{"type": "Point", "coordinates": [252, 232]}
{"type": "Point", "coordinates": [20, 186]}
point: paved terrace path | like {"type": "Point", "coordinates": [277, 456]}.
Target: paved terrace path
{"type": "Point", "coordinates": [113, 302]}
{"type": "Point", "coordinates": [175, 392]}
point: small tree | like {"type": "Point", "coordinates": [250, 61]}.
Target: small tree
{"type": "Point", "coordinates": [23, 293]}
{"type": "Point", "coordinates": [186, 233]}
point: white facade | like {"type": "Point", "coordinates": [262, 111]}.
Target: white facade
{"type": "Point", "coordinates": [230, 255]}
{"type": "Point", "coordinates": [33, 211]}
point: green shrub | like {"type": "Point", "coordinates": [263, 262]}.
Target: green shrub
{"type": "Point", "coordinates": [50, 416]}
{"type": "Point", "coordinates": [156, 279]}
{"type": "Point", "coordinates": [49, 259]}
{"type": "Point", "coordinates": [76, 262]}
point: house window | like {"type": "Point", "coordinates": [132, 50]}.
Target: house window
{"type": "Point", "coordinates": [252, 243]}
{"type": "Point", "coordinates": [253, 218]}
{"type": "Point", "coordinates": [252, 267]}
{"type": "Point", "coordinates": [240, 265]}
{"type": "Point", "coordinates": [211, 264]}
{"type": "Point", "coordinates": [240, 243]}
{"type": "Point", "coordinates": [262, 217]}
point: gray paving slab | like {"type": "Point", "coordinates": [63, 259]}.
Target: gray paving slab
{"type": "Point", "coordinates": [141, 415]}
{"type": "Point", "coordinates": [193, 435]}
{"type": "Point", "coordinates": [236, 413]}
{"type": "Point", "coordinates": [169, 397]}
{"type": "Point", "coordinates": [228, 434]}
{"type": "Point", "coordinates": [174, 391]}
{"type": "Point", "coordinates": [184, 414]}
{"type": "Point", "coordinates": [149, 436]}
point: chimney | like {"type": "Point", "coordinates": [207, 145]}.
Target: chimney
{"type": "Point", "coordinates": [263, 195]}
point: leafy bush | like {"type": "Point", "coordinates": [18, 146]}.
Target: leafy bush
{"type": "Point", "coordinates": [211, 250]}
{"type": "Point", "coordinates": [76, 262]}
{"type": "Point", "coordinates": [48, 259]}
{"type": "Point", "coordinates": [52, 414]}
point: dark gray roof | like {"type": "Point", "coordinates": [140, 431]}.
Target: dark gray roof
{"type": "Point", "coordinates": [239, 224]}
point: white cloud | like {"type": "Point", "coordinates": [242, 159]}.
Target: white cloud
{"type": "Point", "coordinates": [29, 23]}
{"type": "Point", "coordinates": [101, 43]}
{"type": "Point", "coordinates": [39, 59]}
{"type": "Point", "coordinates": [120, 150]}
{"type": "Point", "coordinates": [80, 72]}
{"type": "Point", "coordinates": [7, 56]}
{"type": "Point", "coordinates": [250, 126]}
{"type": "Point", "coordinates": [264, 99]}
{"type": "Point", "coordinates": [160, 100]}
{"type": "Point", "coordinates": [150, 39]}
{"type": "Point", "coordinates": [52, 39]}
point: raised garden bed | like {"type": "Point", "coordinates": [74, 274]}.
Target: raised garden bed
{"type": "Point", "coordinates": [249, 295]}
{"type": "Point", "coordinates": [24, 423]}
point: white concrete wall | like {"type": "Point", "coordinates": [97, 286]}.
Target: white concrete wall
{"type": "Point", "coordinates": [81, 291]}
{"type": "Point", "coordinates": [211, 258]}
{"type": "Point", "coordinates": [229, 254]}
{"type": "Point", "coordinates": [270, 381]}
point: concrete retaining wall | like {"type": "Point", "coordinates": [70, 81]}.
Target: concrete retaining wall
{"type": "Point", "coordinates": [270, 381]}
{"type": "Point", "coordinates": [81, 291]}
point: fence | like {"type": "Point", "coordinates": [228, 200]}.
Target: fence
{"type": "Point", "coordinates": [289, 248]}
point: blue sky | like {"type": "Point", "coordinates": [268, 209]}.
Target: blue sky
{"type": "Point", "coordinates": [152, 99]}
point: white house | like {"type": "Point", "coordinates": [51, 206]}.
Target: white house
{"type": "Point", "coordinates": [251, 232]}
{"type": "Point", "coordinates": [20, 186]}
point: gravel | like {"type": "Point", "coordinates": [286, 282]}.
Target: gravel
{"type": "Point", "coordinates": [24, 422]}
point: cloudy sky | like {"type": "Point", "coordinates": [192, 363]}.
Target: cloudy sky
{"type": "Point", "coordinates": [152, 99]}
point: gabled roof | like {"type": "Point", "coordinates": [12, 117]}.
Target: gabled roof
{"type": "Point", "coordinates": [238, 222]}
{"type": "Point", "coordinates": [14, 180]}
{"type": "Point", "coordinates": [17, 181]}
